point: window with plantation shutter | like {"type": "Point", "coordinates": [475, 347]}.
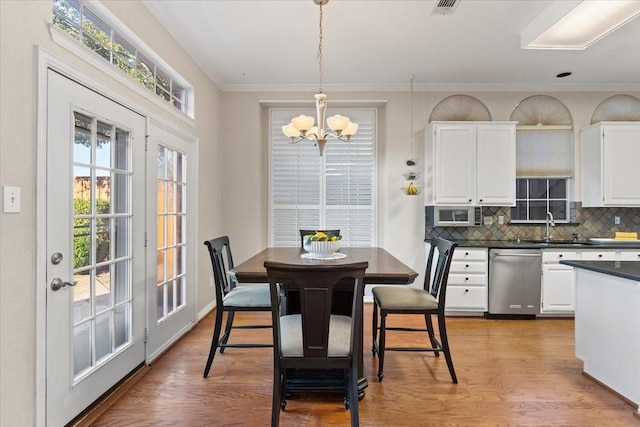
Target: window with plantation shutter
{"type": "Point", "coordinates": [336, 191]}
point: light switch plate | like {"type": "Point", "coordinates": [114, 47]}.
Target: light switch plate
{"type": "Point", "coordinates": [11, 199]}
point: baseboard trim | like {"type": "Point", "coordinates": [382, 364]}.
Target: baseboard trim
{"type": "Point", "coordinates": [633, 404]}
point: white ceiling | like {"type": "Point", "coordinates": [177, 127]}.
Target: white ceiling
{"type": "Point", "coordinates": [263, 45]}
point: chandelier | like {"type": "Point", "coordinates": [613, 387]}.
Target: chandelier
{"type": "Point", "coordinates": [302, 127]}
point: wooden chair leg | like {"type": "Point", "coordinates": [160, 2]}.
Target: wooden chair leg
{"type": "Point", "coordinates": [353, 397]}
{"type": "Point", "coordinates": [374, 328]}
{"type": "Point", "coordinates": [445, 347]}
{"type": "Point", "coordinates": [227, 330]}
{"type": "Point", "coordinates": [381, 344]}
{"type": "Point", "coordinates": [277, 397]}
{"type": "Point", "coordinates": [214, 341]}
{"type": "Point", "coordinates": [432, 336]}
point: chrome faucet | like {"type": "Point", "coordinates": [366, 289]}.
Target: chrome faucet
{"type": "Point", "coordinates": [550, 222]}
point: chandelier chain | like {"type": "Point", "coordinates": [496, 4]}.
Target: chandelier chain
{"type": "Point", "coordinates": [320, 57]}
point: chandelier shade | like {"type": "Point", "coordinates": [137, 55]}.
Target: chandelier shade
{"type": "Point", "coordinates": [306, 127]}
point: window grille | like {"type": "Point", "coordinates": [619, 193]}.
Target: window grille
{"type": "Point", "coordinates": [537, 196]}
{"type": "Point", "coordinates": [92, 31]}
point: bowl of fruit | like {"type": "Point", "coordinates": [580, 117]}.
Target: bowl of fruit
{"type": "Point", "coordinates": [321, 244]}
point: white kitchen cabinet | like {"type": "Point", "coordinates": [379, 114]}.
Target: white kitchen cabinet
{"type": "Point", "coordinates": [470, 163]}
{"type": "Point", "coordinates": [467, 291]}
{"type": "Point", "coordinates": [610, 159]}
{"type": "Point", "coordinates": [598, 255]}
{"type": "Point", "coordinates": [558, 282]}
{"type": "Point", "coordinates": [558, 289]}
{"type": "Point", "coordinates": [629, 255]}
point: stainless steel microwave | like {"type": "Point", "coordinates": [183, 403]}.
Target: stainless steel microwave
{"type": "Point", "coordinates": [453, 216]}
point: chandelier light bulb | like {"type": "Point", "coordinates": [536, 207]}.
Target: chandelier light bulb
{"type": "Point", "coordinates": [290, 131]}
{"type": "Point", "coordinates": [302, 123]}
{"type": "Point", "coordinates": [313, 133]}
{"type": "Point", "coordinates": [338, 123]}
{"type": "Point", "coordinates": [350, 130]}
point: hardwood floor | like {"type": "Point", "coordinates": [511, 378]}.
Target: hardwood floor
{"type": "Point", "coordinates": [510, 372]}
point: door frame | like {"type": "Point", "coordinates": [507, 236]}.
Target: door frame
{"type": "Point", "coordinates": [45, 60]}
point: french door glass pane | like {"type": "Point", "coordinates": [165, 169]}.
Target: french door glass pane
{"type": "Point", "coordinates": [102, 241]}
{"type": "Point", "coordinates": [170, 217]}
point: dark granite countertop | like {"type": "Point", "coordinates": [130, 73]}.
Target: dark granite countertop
{"type": "Point", "coordinates": [625, 269]}
{"type": "Point", "coordinates": [536, 244]}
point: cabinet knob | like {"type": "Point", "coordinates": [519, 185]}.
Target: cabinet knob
{"type": "Point", "coordinates": [466, 290]}
{"type": "Point", "coordinates": [470, 200]}
{"type": "Point", "coordinates": [480, 200]}
{"type": "Point", "coordinates": [466, 278]}
{"type": "Point", "coordinates": [466, 266]}
{"type": "Point", "coordinates": [467, 254]}
{"type": "Point", "coordinates": [560, 256]}
{"type": "Point", "coordinates": [599, 255]}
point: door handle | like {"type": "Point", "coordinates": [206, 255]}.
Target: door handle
{"type": "Point", "coordinates": [58, 283]}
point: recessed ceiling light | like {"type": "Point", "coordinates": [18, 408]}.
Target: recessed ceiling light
{"type": "Point", "coordinates": [576, 24]}
{"type": "Point", "coordinates": [564, 74]}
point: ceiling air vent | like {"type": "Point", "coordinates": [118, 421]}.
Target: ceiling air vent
{"type": "Point", "coordinates": [445, 7]}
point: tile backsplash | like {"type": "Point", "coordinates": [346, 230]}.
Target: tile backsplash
{"type": "Point", "coordinates": [587, 222]}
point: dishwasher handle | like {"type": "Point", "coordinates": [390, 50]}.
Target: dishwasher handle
{"type": "Point", "coordinates": [518, 255]}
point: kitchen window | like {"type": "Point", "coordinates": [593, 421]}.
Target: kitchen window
{"type": "Point", "coordinates": [544, 159]}
{"type": "Point", "coordinates": [335, 191]}
{"type": "Point", "coordinates": [537, 196]}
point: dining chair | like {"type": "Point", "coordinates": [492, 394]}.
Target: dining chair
{"type": "Point", "coordinates": [428, 301]}
{"type": "Point", "coordinates": [231, 299]}
{"type": "Point", "coordinates": [314, 338]}
{"type": "Point", "coordinates": [308, 232]}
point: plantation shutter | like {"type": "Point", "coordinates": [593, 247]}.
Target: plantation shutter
{"type": "Point", "coordinates": [336, 191]}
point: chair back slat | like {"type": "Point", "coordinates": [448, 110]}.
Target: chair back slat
{"type": "Point", "coordinates": [219, 249]}
{"type": "Point", "coordinates": [438, 284]}
{"type": "Point", "coordinates": [315, 307]}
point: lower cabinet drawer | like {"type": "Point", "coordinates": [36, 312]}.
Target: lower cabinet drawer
{"type": "Point", "coordinates": [467, 267]}
{"type": "Point", "coordinates": [467, 279]}
{"type": "Point", "coordinates": [466, 298]}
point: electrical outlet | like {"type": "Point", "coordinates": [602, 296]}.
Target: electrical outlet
{"type": "Point", "coordinates": [488, 220]}
{"type": "Point", "coordinates": [11, 200]}
{"type": "Point", "coordinates": [616, 220]}
{"type": "Point", "coordinates": [501, 219]}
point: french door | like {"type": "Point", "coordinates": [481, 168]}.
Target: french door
{"type": "Point", "coordinates": [170, 245]}
{"type": "Point", "coordinates": [95, 246]}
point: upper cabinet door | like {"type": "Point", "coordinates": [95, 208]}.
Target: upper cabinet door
{"type": "Point", "coordinates": [470, 163]}
{"type": "Point", "coordinates": [610, 159]}
{"type": "Point", "coordinates": [496, 164]}
{"type": "Point", "coordinates": [455, 165]}
{"type": "Point", "coordinates": [621, 157]}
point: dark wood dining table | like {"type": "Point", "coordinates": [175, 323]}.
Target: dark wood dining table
{"type": "Point", "coordinates": [384, 269]}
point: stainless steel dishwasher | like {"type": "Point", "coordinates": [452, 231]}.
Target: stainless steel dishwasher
{"type": "Point", "coordinates": [514, 282]}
